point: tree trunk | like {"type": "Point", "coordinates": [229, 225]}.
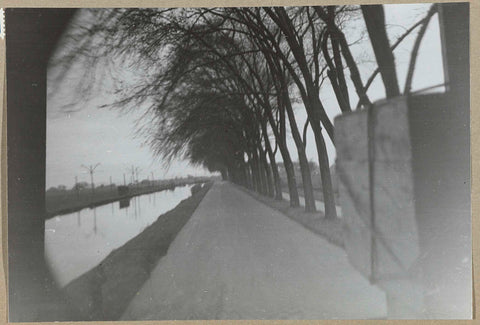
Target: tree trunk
{"type": "Point", "coordinates": [261, 176]}
{"type": "Point", "coordinates": [347, 55]}
{"type": "Point", "coordinates": [314, 109]}
{"type": "Point", "coordinates": [302, 157]}
{"type": "Point", "coordinates": [327, 186]}
{"type": "Point", "coordinates": [255, 177]}
{"type": "Point", "coordinates": [224, 174]}
{"type": "Point", "coordinates": [273, 163]}
{"type": "Point", "coordinates": [287, 162]}
{"type": "Point", "coordinates": [268, 173]}
{"type": "Point", "coordinates": [374, 17]}
{"type": "Point", "coordinates": [333, 75]}
{"type": "Point", "coordinates": [286, 25]}
{"type": "Point", "coordinates": [248, 164]}
{"type": "Point", "coordinates": [243, 174]}
{"type": "Point", "coordinates": [236, 172]}
{"type": "Point", "coordinates": [248, 176]}
{"type": "Point", "coordinates": [337, 58]}
{"type": "Point", "coordinates": [230, 175]}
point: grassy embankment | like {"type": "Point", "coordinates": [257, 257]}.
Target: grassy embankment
{"type": "Point", "coordinates": [316, 180]}
{"type": "Point", "coordinates": [330, 229]}
{"type": "Point", "coordinates": [104, 292]}
{"type": "Point", "coordinates": [68, 201]}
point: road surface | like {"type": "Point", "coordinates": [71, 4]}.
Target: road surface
{"type": "Point", "coordinates": [237, 258]}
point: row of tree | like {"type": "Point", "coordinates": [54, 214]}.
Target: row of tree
{"type": "Point", "coordinates": [221, 83]}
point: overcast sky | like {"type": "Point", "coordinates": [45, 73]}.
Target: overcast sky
{"type": "Point", "coordinates": [91, 135]}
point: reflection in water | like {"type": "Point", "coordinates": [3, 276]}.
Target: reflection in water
{"type": "Point", "coordinates": [135, 207]}
{"type": "Point", "coordinates": [95, 221]}
{"type": "Point", "coordinates": [76, 242]}
{"type": "Point", "coordinates": [124, 203]}
{"type": "Point", "coordinates": [139, 207]}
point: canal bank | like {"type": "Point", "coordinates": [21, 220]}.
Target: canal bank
{"type": "Point", "coordinates": [105, 291]}
{"type": "Point", "coordinates": [79, 241]}
{"type": "Point", "coordinates": [68, 201]}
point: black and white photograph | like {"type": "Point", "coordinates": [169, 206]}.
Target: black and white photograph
{"type": "Point", "coordinates": [239, 163]}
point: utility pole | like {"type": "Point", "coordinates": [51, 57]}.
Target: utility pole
{"type": "Point", "coordinates": [124, 182]}
{"type": "Point", "coordinates": [132, 174]}
{"type": "Point", "coordinates": [134, 171]}
{"type": "Point", "coordinates": [137, 171]}
{"type": "Point", "coordinates": [76, 187]}
{"type": "Point", "coordinates": [91, 170]}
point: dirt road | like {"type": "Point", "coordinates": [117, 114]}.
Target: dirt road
{"type": "Point", "coordinates": [236, 258]}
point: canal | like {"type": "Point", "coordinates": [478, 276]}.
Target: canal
{"type": "Point", "coordinates": [78, 241]}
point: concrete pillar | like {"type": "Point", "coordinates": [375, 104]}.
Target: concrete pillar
{"type": "Point", "coordinates": [416, 245]}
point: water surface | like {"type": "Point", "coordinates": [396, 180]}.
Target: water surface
{"type": "Point", "coordinates": [77, 242]}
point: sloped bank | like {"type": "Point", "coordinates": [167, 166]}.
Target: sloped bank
{"type": "Point", "coordinates": [104, 292]}
{"type": "Point", "coordinates": [330, 229]}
